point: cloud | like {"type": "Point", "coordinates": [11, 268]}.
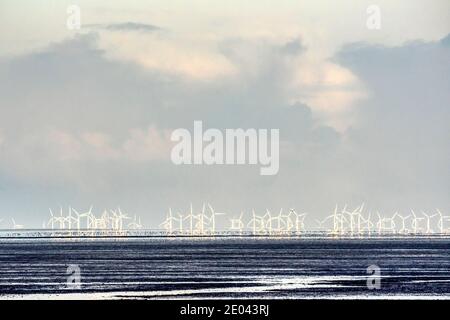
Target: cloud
{"type": "Point", "coordinates": [92, 121]}
{"type": "Point", "coordinates": [274, 66]}
{"type": "Point", "coordinates": [329, 89]}
{"type": "Point", "coordinates": [294, 47]}
{"type": "Point", "coordinates": [446, 40]}
{"type": "Point", "coordinates": [79, 127]}
{"type": "Point", "coordinates": [124, 26]}
{"type": "Point", "coordinates": [400, 142]}
{"type": "Point", "coordinates": [170, 53]}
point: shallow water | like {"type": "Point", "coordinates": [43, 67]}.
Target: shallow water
{"type": "Point", "coordinates": [225, 268]}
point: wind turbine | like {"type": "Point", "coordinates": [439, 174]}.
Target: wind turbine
{"type": "Point", "coordinates": [190, 217]}
{"type": "Point", "coordinates": [367, 224]}
{"type": "Point", "coordinates": [290, 221]}
{"type": "Point", "coordinates": [442, 220]}
{"type": "Point", "coordinates": [428, 222]}
{"type": "Point", "coordinates": [200, 225]}
{"type": "Point", "coordinates": [342, 220]}
{"type": "Point", "coordinates": [273, 223]}
{"type": "Point", "coordinates": [385, 224]}
{"type": "Point", "coordinates": [299, 220]}
{"type": "Point", "coordinates": [168, 223]}
{"type": "Point", "coordinates": [103, 221]}
{"type": "Point", "coordinates": [114, 220]}
{"type": "Point", "coordinates": [212, 219]}
{"type": "Point", "coordinates": [287, 221]}
{"type": "Point", "coordinates": [359, 215]}
{"type": "Point", "coordinates": [267, 219]}
{"type": "Point", "coordinates": [403, 230]}
{"type": "Point", "coordinates": [280, 224]}
{"type": "Point", "coordinates": [51, 221]}
{"type": "Point", "coordinates": [237, 224]}
{"type": "Point", "coordinates": [257, 223]}
{"type": "Point", "coordinates": [68, 219]}
{"type": "Point", "coordinates": [71, 219]}
{"type": "Point", "coordinates": [415, 223]}
{"type": "Point", "coordinates": [354, 224]}
{"type": "Point", "coordinates": [61, 219]}
{"type": "Point", "coordinates": [338, 221]}
{"type": "Point", "coordinates": [379, 223]}
{"type": "Point", "coordinates": [122, 216]}
{"type": "Point", "coordinates": [335, 228]}
{"type": "Point", "coordinates": [57, 219]}
{"type": "Point", "coordinates": [90, 219]}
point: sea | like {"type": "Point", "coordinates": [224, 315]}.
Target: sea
{"type": "Point", "coordinates": [225, 268]}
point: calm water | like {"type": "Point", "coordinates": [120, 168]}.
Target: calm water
{"type": "Point", "coordinates": [224, 268]}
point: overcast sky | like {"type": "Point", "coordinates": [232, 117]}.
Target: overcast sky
{"type": "Point", "coordinates": [86, 115]}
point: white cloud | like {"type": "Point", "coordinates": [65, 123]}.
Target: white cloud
{"type": "Point", "coordinates": [332, 91]}
{"type": "Point", "coordinates": [191, 58]}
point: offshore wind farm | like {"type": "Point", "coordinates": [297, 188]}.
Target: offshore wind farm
{"type": "Point", "coordinates": [206, 221]}
{"type": "Point", "coordinates": [205, 253]}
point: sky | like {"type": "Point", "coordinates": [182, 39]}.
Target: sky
{"type": "Point", "coordinates": [86, 115]}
